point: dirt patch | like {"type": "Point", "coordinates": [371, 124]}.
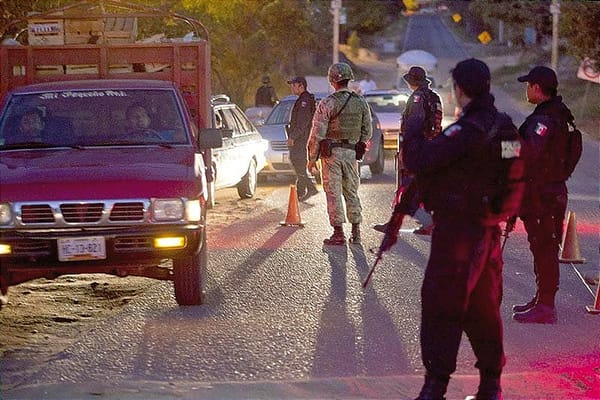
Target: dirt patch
{"type": "Point", "coordinates": [43, 317]}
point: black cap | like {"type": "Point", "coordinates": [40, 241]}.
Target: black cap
{"type": "Point", "coordinates": [473, 76]}
{"type": "Point", "coordinates": [416, 76]}
{"type": "Point", "coordinates": [298, 79]}
{"type": "Point", "coordinates": [543, 76]}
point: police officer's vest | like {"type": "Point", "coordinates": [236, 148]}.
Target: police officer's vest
{"type": "Point", "coordinates": [347, 117]}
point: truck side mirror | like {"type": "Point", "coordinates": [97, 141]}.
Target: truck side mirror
{"type": "Point", "coordinates": [210, 138]}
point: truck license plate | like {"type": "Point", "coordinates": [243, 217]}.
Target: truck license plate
{"type": "Point", "coordinates": [82, 248]}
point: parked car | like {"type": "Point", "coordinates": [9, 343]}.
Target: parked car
{"type": "Point", "coordinates": [278, 155]}
{"type": "Point", "coordinates": [242, 155]}
{"type": "Point", "coordinates": [257, 115]}
{"type": "Point", "coordinates": [388, 104]}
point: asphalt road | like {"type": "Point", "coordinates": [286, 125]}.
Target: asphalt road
{"type": "Point", "coordinates": [286, 318]}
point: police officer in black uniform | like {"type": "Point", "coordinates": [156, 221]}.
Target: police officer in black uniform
{"type": "Point", "coordinates": [462, 286]}
{"type": "Point", "coordinates": [297, 136]}
{"type": "Point", "coordinates": [418, 109]}
{"type": "Point", "coordinates": [544, 204]}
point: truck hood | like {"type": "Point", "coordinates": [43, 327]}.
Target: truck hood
{"type": "Point", "coordinates": [100, 173]}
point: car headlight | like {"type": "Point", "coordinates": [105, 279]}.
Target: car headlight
{"type": "Point", "coordinates": [167, 209]}
{"type": "Point", "coordinates": [5, 214]}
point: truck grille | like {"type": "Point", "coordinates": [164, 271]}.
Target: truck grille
{"type": "Point", "coordinates": [86, 212]}
{"type": "Point", "coordinates": [64, 214]}
{"type": "Point", "coordinates": [37, 214]}
{"type": "Point", "coordinates": [127, 212]}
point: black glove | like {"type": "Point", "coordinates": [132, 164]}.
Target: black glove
{"type": "Point", "coordinates": [360, 148]}
{"type": "Point", "coordinates": [391, 232]}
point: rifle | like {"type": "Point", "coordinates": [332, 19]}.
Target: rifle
{"type": "Point", "coordinates": [379, 256]}
{"type": "Point", "coordinates": [390, 237]}
{"type": "Point", "coordinates": [508, 228]}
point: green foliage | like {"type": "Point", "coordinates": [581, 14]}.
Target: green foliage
{"type": "Point", "coordinates": [580, 24]}
{"type": "Point", "coordinates": [367, 19]}
{"type": "Point", "coordinates": [354, 43]}
{"type": "Point", "coordinates": [579, 21]}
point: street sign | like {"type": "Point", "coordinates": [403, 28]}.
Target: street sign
{"type": "Point", "coordinates": [456, 17]}
{"type": "Point", "coordinates": [587, 72]}
{"type": "Point", "coordinates": [484, 37]}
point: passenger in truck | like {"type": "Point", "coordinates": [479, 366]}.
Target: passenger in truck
{"type": "Point", "coordinates": [30, 127]}
{"type": "Point", "coordinates": [139, 122]}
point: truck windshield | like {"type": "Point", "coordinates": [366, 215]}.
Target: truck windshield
{"type": "Point", "coordinates": [101, 117]}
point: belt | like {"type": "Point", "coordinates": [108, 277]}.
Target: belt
{"type": "Point", "coordinates": [343, 143]}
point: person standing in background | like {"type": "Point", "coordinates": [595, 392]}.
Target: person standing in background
{"type": "Point", "coordinates": [297, 136]}
{"type": "Point", "coordinates": [265, 94]}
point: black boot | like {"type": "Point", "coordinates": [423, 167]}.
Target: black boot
{"type": "Point", "coordinates": [338, 238]}
{"type": "Point", "coordinates": [434, 388]}
{"type": "Point", "coordinates": [489, 389]}
{"type": "Point", "coordinates": [355, 238]}
{"type": "Point", "coordinates": [538, 314]}
{"type": "Point", "coordinates": [525, 307]}
{"type": "Point", "coordinates": [380, 227]}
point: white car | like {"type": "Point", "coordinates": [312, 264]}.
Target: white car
{"type": "Point", "coordinates": [242, 156]}
{"type": "Point", "coordinates": [388, 104]}
{"type": "Point", "coordinates": [278, 154]}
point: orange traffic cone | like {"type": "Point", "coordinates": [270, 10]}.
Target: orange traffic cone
{"type": "Point", "coordinates": [293, 213]}
{"type": "Point", "coordinates": [595, 309]}
{"type": "Point", "coordinates": [569, 252]}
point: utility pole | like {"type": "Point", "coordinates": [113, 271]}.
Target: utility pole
{"type": "Point", "coordinates": [336, 5]}
{"type": "Point", "coordinates": [555, 11]}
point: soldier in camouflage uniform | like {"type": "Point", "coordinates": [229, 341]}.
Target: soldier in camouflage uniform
{"type": "Point", "coordinates": [340, 130]}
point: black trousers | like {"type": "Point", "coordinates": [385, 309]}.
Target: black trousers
{"type": "Point", "coordinates": [462, 292]}
{"type": "Point", "coordinates": [298, 158]}
{"type": "Point", "coordinates": [544, 233]}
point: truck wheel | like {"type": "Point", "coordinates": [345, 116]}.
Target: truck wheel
{"type": "Point", "coordinates": [247, 186]}
{"type": "Point", "coordinates": [377, 167]}
{"type": "Point", "coordinates": [189, 277]}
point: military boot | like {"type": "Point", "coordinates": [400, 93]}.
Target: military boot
{"type": "Point", "coordinates": [489, 389]}
{"type": "Point", "coordinates": [434, 388]}
{"type": "Point", "coordinates": [355, 238]}
{"type": "Point", "coordinates": [525, 307]}
{"type": "Point", "coordinates": [338, 238]}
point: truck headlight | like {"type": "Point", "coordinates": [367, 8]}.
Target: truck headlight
{"type": "Point", "coordinates": [167, 209]}
{"type": "Point", "coordinates": [5, 214]}
{"type": "Point", "coordinates": [193, 210]}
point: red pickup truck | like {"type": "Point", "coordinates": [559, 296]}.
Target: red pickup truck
{"type": "Point", "coordinates": [103, 159]}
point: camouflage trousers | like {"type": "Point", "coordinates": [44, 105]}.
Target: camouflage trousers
{"type": "Point", "coordinates": [340, 183]}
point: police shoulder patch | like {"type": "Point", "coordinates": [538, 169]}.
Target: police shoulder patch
{"type": "Point", "coordinates": [416, 98]}
{"type": "Point", "coordinates": [540, 129]}
{"type": "Point", "coordinates": [510, 149]}
{"type": "Point", "coordinates": [452, 130]}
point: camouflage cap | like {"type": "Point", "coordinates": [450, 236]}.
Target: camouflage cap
{"type": "Point", "coordinates": [339, 72]}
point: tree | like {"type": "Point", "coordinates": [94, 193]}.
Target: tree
{"type": "Point", "coordinates": [580, 24]}
{"type": "Point", "coordinates": [579, 21]}
{"type": "Point", "coordinates": [248, 38]}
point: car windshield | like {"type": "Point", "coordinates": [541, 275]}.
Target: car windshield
{"type": "Point", "coordinates": [92, 118]}
{"type": "Point", "coordinates": [281, 113]}
{"type": "Point", "coordinates": [387, 103]}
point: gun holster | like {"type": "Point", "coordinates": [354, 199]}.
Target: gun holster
{"type": "Point", "coordinates": [325, 147]}
{"type": "Point", "coordinates": [360, 148]}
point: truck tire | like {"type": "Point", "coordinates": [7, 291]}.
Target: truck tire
{"type": "Point", "coordinates": [379, 164]}
{"type": "Point", "coordinates": [247, 186]}
{"type": "Point", "coordinates": [190, 276]}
